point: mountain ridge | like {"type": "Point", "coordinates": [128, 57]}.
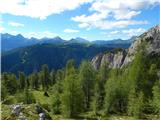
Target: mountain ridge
{"type": "Point", "coordinates": [120, 59]}
{"type": "Point", "coordinates": [10, 42]}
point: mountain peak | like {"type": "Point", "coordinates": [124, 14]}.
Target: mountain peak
{"type": "Point", "coordinates": [19, 36]}
{"type": "Point", "coordinates": [78, 40]}
{"type": "Point", "coordinates": [57, 37]}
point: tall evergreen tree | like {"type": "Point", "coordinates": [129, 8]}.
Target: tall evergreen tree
{"type": "Point", "coordinates": [156, 98]}
{"type": "Point", "coordinates": [45, 77]}
{"type": "Point", "coordinates": [135, 104]}
{"type": "Point", "coordinates": [35, 80]}
{"type": "Point", "coordinates": [4, 92]}
{"type": "Point", "coordinates": [53, 77]}
{"type": "Point", "coordinates": [72, 96]}
{"type": "Point", "coordinates": [87, 78]}
{"type": "Point", "coordinates": [100, 86]}
{"type": "Point", "coordinates": [10, 82]}
{"type": "Point", "coordinates": [22, 80]}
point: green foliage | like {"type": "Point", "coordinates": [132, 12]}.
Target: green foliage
{"type": "Point", "coordinates": [35, 80]}
{"type": "Point", "coordinates": [56, 103]}
{"type": "Point", "coordinates": [116, 96]}
{"type": "Point", "coordinates": [87, 79]}
{"type": "Point", "coordinates": [10, 83]}
{"type": "Point", "coordinates": [72, 96]}
{"type": "Point", "coordinates": [100, 87]}
{"type": "Point", "coordinates": [55, 56]}
{"type": "Point", "coordinates": [156, 98]}
{"type": "Point", "coordinates": [73, 91]}
{"type": "Point", "coordinates": [53, 77]}
{"type": "Point", "coordinates": [135, 103]}
{"type": "Point", "coordinates": [45, 77]}
{"type": "Point", "coordinates": [27, 97]}
{"type": "Point", "coordinates": [22, 81]}
{"type": "Point", "coordinates": [4, 92]}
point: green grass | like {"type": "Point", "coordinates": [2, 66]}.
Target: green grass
{"type": "Point", "coordinates": [30, 113]}
{"type": "Point", "coordinates": [40, 98]}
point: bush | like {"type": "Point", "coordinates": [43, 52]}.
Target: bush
{"type": "Point", "coordinates": [56, 104]}
{"type": "Point", "coordinates": [46, 107]}
{"type": "Point", "coordinates": [156, 99]}
{"type": "Point", "coordinates": [135, 104]}
{"type": "Point", "coordinates": [27, 97]}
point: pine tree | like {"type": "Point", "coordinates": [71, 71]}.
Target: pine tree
{"type": "Point", "coordinates": [45, 77]}
{"type": "Point", "coordinates": [135, 103]}
{"type": "Point", "coordinates": [53, 77]}
{"type": "Point", "coordinates": [87, 79]}
{"type": "Point", "coordinates": [100, 86]}
{"type": "Point", "coordinates": [10, 83]}
{"type": "Point", "coordinates": [28, 97]}
{"type": "Point", "coordinates": [156, 98]}
{"type": "Point", "coordinates": [35, 80]}
{"type": "Point", "coordinates": [56, 103]}
{"type": "Point", "coordinates": [72, 96]}
{"type": "Point", "coordinates": [22, 80]}
{"type": "Point", "coordinates": [4, 92]}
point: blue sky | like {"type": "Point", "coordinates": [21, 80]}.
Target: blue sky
{"type": "Point", "coordinates": [89, 19]}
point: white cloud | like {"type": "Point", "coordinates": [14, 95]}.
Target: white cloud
{"type": "Point", "coordinates": [2, 29]}
{"type": "Point", "coordinates": [123, 14]}
{"type": "Point", "coordinates": [114, 32]}
{"type": "Point", "coordinates": [15, 24]}
{"type": "Point", "coordinates": [124, 32]}
{"type": "Point", "coordinates": [105, 24]}
{"type": "Point", "coordinates": [70, 30]}
{"type": "Point", "coordinates": [91, 18]}
{"type": "Point", "coordinates": [38, 8]}
{"type": "Point", "coordinates": [133, 32]}
{"type": "Point", "coordinates": [120, 11]}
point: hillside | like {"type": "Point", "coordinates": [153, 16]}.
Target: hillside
{"type": "Point", "coordinates": [55, 56]}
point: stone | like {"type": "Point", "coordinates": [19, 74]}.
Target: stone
{"type": "Point", "coordinates": [16, 109]}
{"type": "Point", "coordinates": [21, 116]}
{"type": "Point", "coordinates": [41, 116]}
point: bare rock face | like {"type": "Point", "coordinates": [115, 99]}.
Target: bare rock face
{"type": "Point", "coordinates": [115, 60]}
{"type": "Point", "coordinates": [151, 41]}
{"type": "Point", "coordinates": [96, 61]}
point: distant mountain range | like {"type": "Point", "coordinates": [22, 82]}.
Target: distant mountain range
{"type": "Point", "coordinates": [23, 54]}
{"type": "Point", "coordinates": [10, 42]}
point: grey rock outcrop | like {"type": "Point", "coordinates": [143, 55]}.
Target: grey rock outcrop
{"type": "Point", "coordinates": [16, 109]}
{"type": "Point", "coordinates": [119, 59]}
{"type": "Point", "coordinates": [115, 60]}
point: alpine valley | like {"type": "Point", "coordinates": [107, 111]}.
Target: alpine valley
{"type": "Point", "coordinates": [77, 79]}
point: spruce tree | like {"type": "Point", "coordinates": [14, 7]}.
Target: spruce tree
{"type": "Point", "coordinates": [53, 77]}
{"type": "Point", "coordinates": [87, 79]}
{"type": "Point", "coordinates": [135, 103]}
{"type": "Point", "coordinates": [156, 98]}
{"type": "Point", "coordinates": [45, 77]}
{"type": "Point", "coordinates": [35, 80]}
{"type": "Point", "coordinates": [100, 85]}
{"type": "Point", "coordinates": [72, 96]}
{"type": "Point", "coordinates": [10, 82]}
{"type": "Point", "coordinates": [22, 80]}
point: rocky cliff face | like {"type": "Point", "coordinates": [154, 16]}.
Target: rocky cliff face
{"type": "Point", "coordinates": [115, 59]}
{"type": "Point", "coordinates": [121, 58]}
